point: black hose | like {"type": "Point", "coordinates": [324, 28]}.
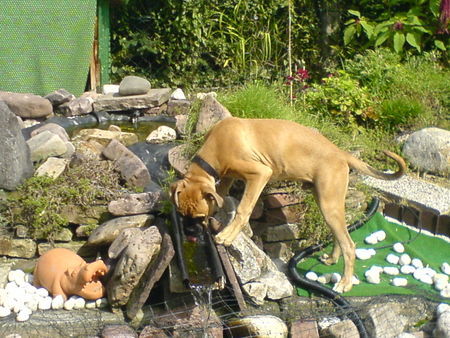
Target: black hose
{"type": "Point", "coordinates": [178, 241]}
{"type": "Point", "coordinates": [213, 257]}
{"type": "Point", "coordinates": [336, 298]}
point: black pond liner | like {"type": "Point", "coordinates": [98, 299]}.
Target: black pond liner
{"type": "Point", "coordinates": [316, 287]}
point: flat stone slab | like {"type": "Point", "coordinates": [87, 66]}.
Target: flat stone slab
{"type": "Point", "coordinates": [114, 102]}
{"type": "Point", "coordinates": [421, 193]}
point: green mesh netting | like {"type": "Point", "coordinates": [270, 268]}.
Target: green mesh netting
{"type": "Point", "coordinates": [46, 45]}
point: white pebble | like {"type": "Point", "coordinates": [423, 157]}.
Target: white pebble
{"type": "Point", "coordinates": [3, 295]}
{"type": "Point", "coordinates": [42, 292]}
{"type": "Point", "coordinates": [45, 303]}
{"type": "Point", "coordinates": [405, 259]}
{"type": "Point", "coordinates": [311, 275]}
{"type": "Point", "coordinates": [335, 277]}
{"type": "Point", "coordinates": [18, 306]}
{"type": "Point", "coordinates": [23, 315]}
{"type": "Point", "coordinates": [79, 303]}
{"type": "Point", "coordinates": [391, 270]}
{"type": "Point", "coordinates": [30, 289]}
{"type": "Point", "coordinates": [70, 303]}
{"type": "Point", "coordinates": [371, 239]}
{"type": "Point", "coordinates": [373, 278]}
{"type": "Point", "coordinates": [446, 292]}
{"type": "Point", "coordinates": [355, 280]}
{"type": "Point", "coordinates": [407, 269]}
{"type": "Point", "coordinates": [393, 259]}
{"type": "Point", "coordinates": [427, 279]}
{"type": "Point", "coordinates": [58, 302]}
{"type": "Point", "coordinates": [17, 276]}
{"type": "Point", "coordinates": [325, 278]}
{"type": "Point", "coordinates": [363, 254]}
{"type": "Point", "coordinates": [417, 263]}
{"type": "Point", "coordinates": [441, 308]}
{"type": "Point", "coordinates": [380, 235]}
{"type": "Point", "coordinates": [4, 312]}
{"type": "Point", "coordinates": [178, 94]}
{"type": "Point", "coordinates": [90, 304]}
{"type": "Point", "coordinates": [11, 286]}
{"type": "Point", "coordinates": [33, 303]}
{"type": "Point", "coordinates": [440, 284]}
{"type": "Point", "coordinates": [29, 278]}
{"type": "Point", "coordinates": [399, 248]}
{"type": "Point", "coordinates": [101, 302]}
{"type": "Point", "coordinates": [445, 267]}
{"type": "Point", "coordinates": [399, 281]}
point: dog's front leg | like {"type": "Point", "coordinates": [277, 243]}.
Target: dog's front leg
{"type": "Point", "coordinates": [256, 179]}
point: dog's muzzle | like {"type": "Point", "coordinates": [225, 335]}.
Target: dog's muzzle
{"type": "Point", "coordinates": [193, 228]}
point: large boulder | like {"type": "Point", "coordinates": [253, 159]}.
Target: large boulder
{"type": "Point", "coordinates": [131, 168]}
{"type": "Point", "coordinates": [134, 250]}
{"type": "Point", "coordinates": [27, 105]}
{"type": "Point", "coordinates": [211, 112]}
{"type": "Point", "coordinates": [15, 160]}
{"type": "Point", "coordinates": [45, 145]}
{"type": "Point", "coordinates": [429, 150]}
{"type": "Point", "coordinates": [134, 85]}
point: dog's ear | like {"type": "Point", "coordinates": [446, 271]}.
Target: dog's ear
{"type": "Point", "coordinates": [175, 189]}
{"type": "Point", "coordinates": [211, 194]}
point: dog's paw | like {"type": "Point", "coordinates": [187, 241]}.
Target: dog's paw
{"type": "Point", "coordinates": [343, 286]}
{"type": "Point", "coordinates": [327, 259]}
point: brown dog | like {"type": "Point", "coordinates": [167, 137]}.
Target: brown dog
{"type": "Point", "coordinates": [258, 151]}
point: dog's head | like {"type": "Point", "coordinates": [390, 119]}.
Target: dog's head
{"type": "Point", "coordinates": [195, 201]}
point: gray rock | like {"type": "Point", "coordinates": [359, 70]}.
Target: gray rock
{"type": "Point", "coordinates": [178, 160]}
{"type": "Point", "coordinates": [134, 85]}
{"type": "Point", "coordinates": [381, 318]}
{"type": "Point", "coordinates": [108, 231]}
{"type": "Point", "coordinates": [76, 107]}
{"type": "Point", "coordinates": [131, 168]}
{"type": "Point", "coordinates": [122, 331]}
{"type": "Point", "coordinates": [133, 204]}
{"type": "Point", "coordinates": [181, 124]}
{"type": "Point", "coordinates": [162, 134]}
{"type": "Point", "coordinates": [253, 266]}
{"type": "Point", "coordinates": [178, 107]}
{"type": "Point", "coordinates": [22, 248]}
{"type": "Point", "coordinates": [429, 150]}
{"type": "Point", "coordinates": [46, 144]}
{"type": "Point", "coordinates": [258, 326]}
{"type": "Point", "coordinates": [134, 249]}
{"type": "Point", "coordinates": [59, 97]}
{"type": "Point", "coordinates": [15, 159]}
{"type": "Point", "coordinates": [154, 98]}
{"type": "Point", "coordinates": [343, 329]}
{"type": "Point", "coordinates": [54, 128]}
{"type": "Point", "coordinates": [52, 167]}
{"type": "Point", "coordinates": [442, 329]}
{"type": "Point", "coordinates": [27, 105]}
{"type": "Point", "coordinates": [210, 113]}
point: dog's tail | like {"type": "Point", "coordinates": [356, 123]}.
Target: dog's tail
{"type": "Point", "coordinates": [366, 169]}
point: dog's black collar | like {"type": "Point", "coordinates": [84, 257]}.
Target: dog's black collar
{"type": "Point", "coordinates": [207, 167]}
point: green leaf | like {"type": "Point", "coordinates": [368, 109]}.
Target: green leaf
{"type": "Point", "coordinates": [434, 7]}
{"type": "Point", "coordinates": [439, 44]}
{"type": "Point", "coordinates": [368, 28]}
{"type": "Point", "coordinates": [349, 32]}
{"type": "Point", "coordinates": [399, 41]}
{"type": "Point", "coordinates": [413, 40]}
{"type": "Point", "coordinates": [355, 13]}
{"type": "Point", "coordinates": [382, 38]}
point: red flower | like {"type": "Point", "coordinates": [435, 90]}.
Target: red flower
{"type": "Point", "coordinates": [398, 26]}
{"type": "Point", "coordinates": [303, 74]}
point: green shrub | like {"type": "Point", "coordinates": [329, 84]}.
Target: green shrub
{"type": "Point", "coordinates": [400, 111]}
{"type": "Point", "coordinates": [257, 101]}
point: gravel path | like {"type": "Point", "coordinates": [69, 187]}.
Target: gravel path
{"type": "Point", "coordinates": [423, 193]}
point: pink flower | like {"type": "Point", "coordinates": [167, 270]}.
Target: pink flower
{"type": "Point", "coordinates": [302, 74]}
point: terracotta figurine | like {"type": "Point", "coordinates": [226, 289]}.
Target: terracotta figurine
{"type": "Point", "coordinates": [63, 272]}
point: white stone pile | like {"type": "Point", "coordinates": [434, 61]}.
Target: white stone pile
{"type": "Point", "coordinates": [403, 264]}
{"type": "Point", "coordinates": [21, 298]}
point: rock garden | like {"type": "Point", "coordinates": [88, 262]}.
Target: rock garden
{"type": "Point", "coordinates": [90, 175]}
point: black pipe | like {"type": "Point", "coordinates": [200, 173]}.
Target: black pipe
{"type": "Point", "coordinates": [178, 241]}
{"type": "Point", "coordinates": [213, 257]}
{"type": "Point", "coordinates": [336, 298]}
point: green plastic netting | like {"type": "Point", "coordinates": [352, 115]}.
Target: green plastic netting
{"type": "Point", "coordinates": [431, 250]}
{"type": "Point", "coordinates": [46, 45]}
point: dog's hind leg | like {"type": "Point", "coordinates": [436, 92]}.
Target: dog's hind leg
{"type": "Point", "coordinates": [256, 176]}
{"type": "Point", "coordinates": [330, 194]}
